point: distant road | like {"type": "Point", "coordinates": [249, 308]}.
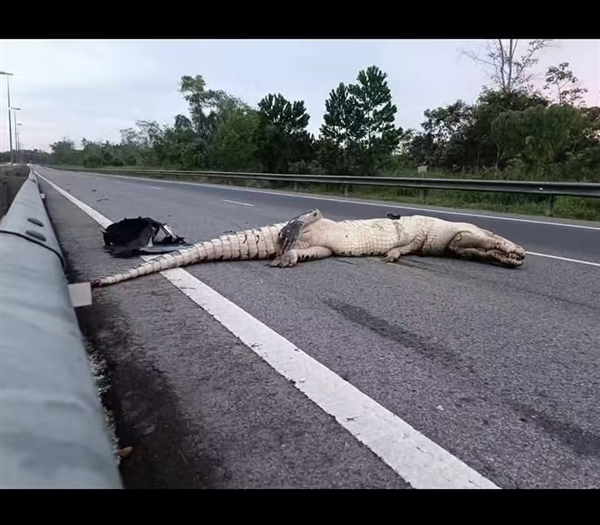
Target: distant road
{"type": "Point", "coordinates": [428, 372]}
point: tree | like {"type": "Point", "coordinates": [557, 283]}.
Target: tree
{"type": "Point", "coordinates": [179, 146]}
{"type": "Point", "coordinates": [289, 117]}
{"type": "Point", "coordinates": [139, 142]}
{"type": "Point", "coordinates": [509, 73]}
{"type": "Point", "coordinates": [34, 156]}
{"type": "Point", "coordinates": [566, 85]}
{"type": "Point", "coordinates": [458, 136]}
{"type": "Point", "coordinates": [64, 152]}
{"type": "Point", "coordinates": [340, 132]}
{"type": "Point", "coordinates": [536, 135]}
{"type": "Point", "coordinates": [489, 106]}
{"type": "Point", "coordinates": [92, 161]}
{"type": "Point", "coordinates": [591, 124]}
{"type": "Point", "coordinates": [142, 137]}
{"type": "Point", "coordinates": [281, 135]}
{"type": "Point", "coordinates": [234, 147]}
{"type": "Point", "coordinates": [359, 123]}
{"type": "Point", "coordinates": [446, 136]}
{"type": "Point", "coordinates": [107, 157]}
{"type": "Point", "coordinates": [91, 153]}
{"type": "Point", "coordinates": [206, 106]}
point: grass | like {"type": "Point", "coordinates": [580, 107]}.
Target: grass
{"type": "Point", "coordinates": [99, 371]}
{"type": "Point", "coordinates": [564, 207]}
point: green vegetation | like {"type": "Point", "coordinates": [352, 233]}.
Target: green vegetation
{"type": "Point", "coordinates": [11, 180]}
{"type": "Point", "coordinates": [512, 131]}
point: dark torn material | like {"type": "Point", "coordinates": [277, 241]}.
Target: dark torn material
{"type": "Point", "coordinates": [290, 233]}
{"type": "Point", "coordinates": [143, 235]}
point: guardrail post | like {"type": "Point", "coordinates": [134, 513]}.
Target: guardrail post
{"type": "Point", "coordinates": [550, 205]}
{"type": "Point", "coordinates": [52, 429]}
{"type": "Point", "coordinates": [345, 190]}
{"type": "Point", "coordinates": [295, 186]}
{"type": "Point", "coordinates": [423, 195]}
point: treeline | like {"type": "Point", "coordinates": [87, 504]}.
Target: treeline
{"type": "Point", "coordinates": [35, 156]}
{"type": "Point", "coordinates": [511, 131]}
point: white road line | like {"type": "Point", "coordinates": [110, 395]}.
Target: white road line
{"type": "Point", "coordinates": [98, 217]}
{"type": "Point", "coordinates": [564, 259]}
{"type": "Point", "coordinates": [155, 187]}
{"type": "Point", "coordinates": [413, 456]}
{"type": "Point", "coordinates": [362, 203]}
{"type": "Point", "coordinates": [240, 203]}
{"type": "Point", "coordinates": [537, 254]}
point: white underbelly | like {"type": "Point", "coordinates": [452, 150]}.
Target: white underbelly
{"type": "Point", "coordinates": [370, 239]}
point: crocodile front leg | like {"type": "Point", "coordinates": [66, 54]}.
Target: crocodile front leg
{"type": "Point", "coordinates": [294, 256]}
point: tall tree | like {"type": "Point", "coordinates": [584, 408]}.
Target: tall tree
{"type": "Point", "coordinates": [565, 85]}
{"type": "Point", "coordinates": [206, 106]}
{"type": "Point", "coordinates": [359, 123]}
{"type": "Point", "coordinates": [508, 71]}
{"type": "Point", "coordinates": [281, 135]}
{"type": "Point", "coordinates": [340, 131]}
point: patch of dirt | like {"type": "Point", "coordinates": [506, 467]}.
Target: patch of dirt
{"type": "Point", "coordinates": [138, 401]}
{"type": "Point", "coordinates": [141, 411]}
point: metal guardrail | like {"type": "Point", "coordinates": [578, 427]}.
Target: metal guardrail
{"type": "Point", "coordinates": [52, 431]}
{"type": "Point", "coordinates": [549, 189]}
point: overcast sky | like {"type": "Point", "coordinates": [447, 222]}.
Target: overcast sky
{"type": "Point", "coordinates": [94, 88]}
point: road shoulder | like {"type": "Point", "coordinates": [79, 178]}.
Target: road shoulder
{"type": "Point", "coordinates": [198, 408]}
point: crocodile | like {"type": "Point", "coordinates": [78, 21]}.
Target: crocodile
{"type": "Point", "coordinates": [311, 236]}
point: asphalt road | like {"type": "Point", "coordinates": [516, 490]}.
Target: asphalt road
{"type": "Point", "coordinates": [498, 367]}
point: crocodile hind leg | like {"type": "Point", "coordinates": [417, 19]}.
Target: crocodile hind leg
{"type": "Point", "coordinates": [395, 253]}
{"type": "Point", "coordinates": [294, 256]}
{"type": "Point", "coordinates": [392, 256]}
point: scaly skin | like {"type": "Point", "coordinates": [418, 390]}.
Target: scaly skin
{"type": "Point", "coordinates": [310, 236]}
{"type": "Point", "coordinates": [257, 244]}
{"type": "Point", "coordinates": [396, 236]}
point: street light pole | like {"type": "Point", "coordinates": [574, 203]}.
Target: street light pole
{"type": "Point", "coordinates": [9, 120]}
{"type": "Point", "coordinates": [19, 160]}
{"type": "Point", "coordinates": [16, 136]}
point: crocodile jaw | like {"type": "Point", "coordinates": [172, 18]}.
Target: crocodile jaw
{"type": "Point", "coordinates": [513, 257]}
{"type": "Point", "coordinates": [488, 247]}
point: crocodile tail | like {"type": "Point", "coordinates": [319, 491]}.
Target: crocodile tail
{"type": "Point", "coordinates": [258, 243]}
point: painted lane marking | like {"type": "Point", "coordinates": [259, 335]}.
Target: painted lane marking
{"type": "Point", "coordinates": [240, 203]}
{"type": "Point", "coordinates": [590, 263]}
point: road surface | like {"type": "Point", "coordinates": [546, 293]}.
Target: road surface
{"type": "Point", "coordinates": [342, 372]}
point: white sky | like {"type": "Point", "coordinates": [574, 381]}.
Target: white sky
{"type": "Point", "coordinates": [94, 88]}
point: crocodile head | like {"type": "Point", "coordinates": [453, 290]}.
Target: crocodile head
{"type": "Point", "coordinates": [290, 233]}
{"type": "Point", "coordinates": [485, 245]}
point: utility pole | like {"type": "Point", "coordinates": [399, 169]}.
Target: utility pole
{"type": "Point", "coordinates": [9, 120]}
{"type": "Point", "coordinates": [16, 135]}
